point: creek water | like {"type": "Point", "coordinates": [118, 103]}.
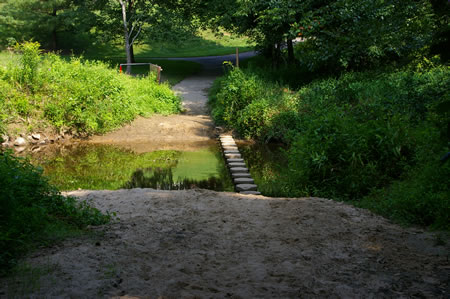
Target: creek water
{"type": "Point", "coordinates": [97, 167]}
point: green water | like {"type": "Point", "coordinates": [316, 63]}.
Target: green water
{"type": "Point", "coordinates": [268, 166]}
{"type": "Point", "coordinates": [98, 167]}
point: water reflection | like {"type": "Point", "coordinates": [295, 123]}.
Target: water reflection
{"type": "Point", "coordinates": [267, 164]}
{"type": "Point", "coordinates": [163, 179]}
{"type": "Point", "coordinates": [99, 167]}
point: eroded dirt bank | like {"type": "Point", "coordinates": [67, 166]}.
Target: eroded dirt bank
{"type": "Point", "coordinates": [204, 244]}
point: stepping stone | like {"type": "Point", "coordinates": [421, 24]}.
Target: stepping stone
{"type": "Point", "coordinates": [250, 192]}
{"type": "Point", "coordinates": [226, 136]}
{"type": "Point", "coordinates": [234, 160]}
{"type": "Point", "coordinates": [233, 156]}
{"type": "Point", "coordinates": [246, 187]}
{"type": "Point", "coordinates": [244, 181]}
{"type": "Point", "coordinates": [238, 169]}
{"type": "Point", "coordinates": [230, 149]}
{"type": "Point", "coordinates": [241, 175]}
{"type": "Point", "coordinates": [231, 152]}
{"type": "Point", "coordinates": [229, 144]}
{"type": "Point", "coordinates": [236, 164]}
{"type": "Point", "coordinates": [226, 139]}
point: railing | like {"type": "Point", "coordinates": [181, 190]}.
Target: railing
{"type": "Point", "coordinates": [151, 65]}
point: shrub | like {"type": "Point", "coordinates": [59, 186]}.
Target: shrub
{"type": "Point", "coordinates": [350, 136]}
{"type": "Point", "coordinates": [85, 97]}
{"type": "Point", "coordinates": [31, 208]}
{"type": "Point", "coordinates": [29, 61]}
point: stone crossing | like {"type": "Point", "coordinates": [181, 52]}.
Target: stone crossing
{"type": "Point", "coordinates": [243, 182]}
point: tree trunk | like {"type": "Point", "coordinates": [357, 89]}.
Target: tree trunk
{"type": "Point", "coordinates": [54, 42]}
{"type": "Point", "coordinates": [276, 55]}
{"type": "Point", "coordinates": [125, 35]}
{"type": "Point", "coordinates": [290, 47]}
{"type": "Point", "coordinates": [133, 60]}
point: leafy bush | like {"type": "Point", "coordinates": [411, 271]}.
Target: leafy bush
{"type": "Point", "coordinates": [29, 62]}
{"type": "Point", "coordinates": [85, 97]}
{"type": "Point", "coordinates": [345, 34]}
{"type": "Point", "coordinates": [31, 209]}
{"type": "Point", "coordinates": [351, 136]}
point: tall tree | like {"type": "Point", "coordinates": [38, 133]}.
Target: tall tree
{"type": "Point", "coordinates": [42, 20]}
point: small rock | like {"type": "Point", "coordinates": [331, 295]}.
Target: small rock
{"type": "Point", "coordinates": [246, 187]}
{"type": "Point", "coordinates": [5, 138]}
{"type": "Point", "coordinates": [20, 141]}
{"type": "Point", "coordinates": [233, 156]}
{"type": "Point", "coordinates": [230, 148]}
{"type": "Point", "coordinates": [241, 175]}
{"type": "Point", "coordinates": [238, 169]}
{"type": "Point", "coordinates": [6, 144]}
{"type": "Point", "coordinates": [36, 149]}
{"type": "Point", "coordinates": [235, 160]}
{"type": "Point", "coordinates": [250, 192]}
{"type": "Point", "coordinates": [42, 142]}
{"type": "Point", "coordinates": [244, 181]}
{"type": "Point", "coordinates": [231, 152]}
{"type": "Point", "coordinates": [36, 136]}
{"type": "Point", "coordinates": [236, 164]}
{"type": "Point", "coordinates": [20, 149]}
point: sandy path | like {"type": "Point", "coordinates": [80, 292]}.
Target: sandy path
{"type": "Point", "coordinates": [204, 244]}
{"type": "Point", "coordinates": [187, 131]}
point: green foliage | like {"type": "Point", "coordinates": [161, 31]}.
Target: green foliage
{"type": "Point", "coordinates": [85, 97]}
{"type": "Point", "coordinates": [349, 136]}
{"type": "Point", "coordinates": [354, 35]}
{"type": "Point", "coordinates": [31, 208]}
{"type": "Point", "coordinates": [30, 59]}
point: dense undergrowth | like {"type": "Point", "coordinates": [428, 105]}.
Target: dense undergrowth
{"type": "Point", "coordinates": [84, 97]}
{"type": "Point", "coordinates": [374, 137]}
{"type": "Point", "coordinates": [34, 213]}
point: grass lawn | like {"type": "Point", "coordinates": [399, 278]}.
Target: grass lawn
{"type": "Point", "coordinates": [205, 43]}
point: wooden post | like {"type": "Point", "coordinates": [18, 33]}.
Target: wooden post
{"type": "Point", "coordinates": [237, 57]}
{"type": "Point", "coordinates": [159, 75]}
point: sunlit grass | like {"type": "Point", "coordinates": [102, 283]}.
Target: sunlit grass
{"type": "Point", "coordinates": [205, 43]}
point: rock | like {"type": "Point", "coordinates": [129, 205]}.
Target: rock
{"type": "Point", "coordinates": [236, 164]}
{"type": "Point", "coordinates": [20, 149]}
{"type": "Point", "coordinates": [36, 136]}
{"type": "Point", "coordinates": [244, 181]}
{"type": "Point", "coordinates": [20, 141]}
{"type": "Point", "coordinates": [42, 142]}
{"type": "Point", "coordinates": [5, 138]}
{"type": "Point", "coordinates": [238, 169]}
{"type": "Point", "coordinates": [246, 187]}
{"type": "Point", "coordinates": [35, 149]}
{"type": "Point", "coordinates": [228, 143]}
{"type": "Point", "coordinates": [31, 140]}
{"type": "Point", "coordinates": [234, 160]}
{"type": "Point", "coordinates": [250, 192]}
{"type": "Point", "coordinates": [241, 175]}
{"type": "Point", "coordinates": [231, 152]}
{"type": "Point", "coordinates": [6, 144]}
{"type": "Point", "coordinates": [233, 156]}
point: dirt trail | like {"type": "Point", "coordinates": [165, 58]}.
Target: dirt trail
{"type": "Point", "coordinates": [205, 244]}
{"type": "Point", "coordinates": [179, 132]}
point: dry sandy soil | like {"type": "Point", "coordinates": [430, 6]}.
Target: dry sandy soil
{"type": "Point", "coordinates": [204, 244]}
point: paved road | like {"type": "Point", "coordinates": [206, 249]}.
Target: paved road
{"type": "Point", "coordinates": [194, 89]}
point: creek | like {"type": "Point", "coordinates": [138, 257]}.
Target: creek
{"type": "Point", "coordinates": [98, 167]}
